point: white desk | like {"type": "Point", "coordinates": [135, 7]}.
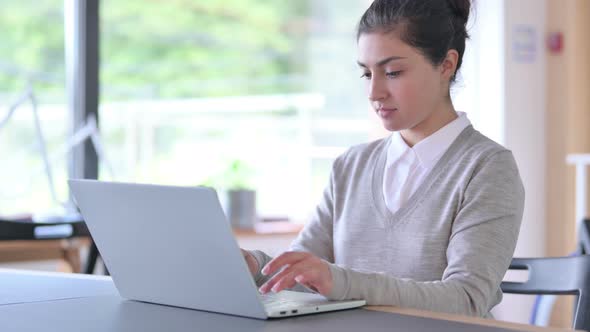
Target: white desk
{"type": "Point", "coordinates": [62, 302]}
{"type": "Point", "coordinates": [27, 286]}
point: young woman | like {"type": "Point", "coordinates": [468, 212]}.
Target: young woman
{"type": "Point", "coordinates": [427, 218]}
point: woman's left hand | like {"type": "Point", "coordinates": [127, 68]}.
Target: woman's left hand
{"type": "Point", "coordinates": [299, 267]}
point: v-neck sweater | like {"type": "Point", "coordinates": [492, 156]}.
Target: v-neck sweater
{"type": "Point", "coordinates": [446, 249]}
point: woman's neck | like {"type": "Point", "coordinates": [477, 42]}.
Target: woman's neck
{"type": "Point", "coordinates": [430, 125]}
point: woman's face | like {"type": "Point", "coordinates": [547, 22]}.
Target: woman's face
{"type": "Point", "coordinates": [404, 88]}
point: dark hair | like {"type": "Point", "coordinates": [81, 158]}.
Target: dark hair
{"type": "Point", "coordinates": [432, 26]}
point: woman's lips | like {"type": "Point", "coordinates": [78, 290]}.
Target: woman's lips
{"type": "Point", "coordinates": [385, 112]}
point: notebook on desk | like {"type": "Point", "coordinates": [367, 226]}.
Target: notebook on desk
{"type": "Point", "coordinates": [173, 246]}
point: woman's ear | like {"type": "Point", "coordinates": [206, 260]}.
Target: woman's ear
{"type": "Point", "coordinates": [449, 65]}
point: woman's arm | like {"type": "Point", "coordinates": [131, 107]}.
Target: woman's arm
{"type": "Point", "coordinates": [316, 236]}
{"type": "Point", "coordinates": [480, 249]}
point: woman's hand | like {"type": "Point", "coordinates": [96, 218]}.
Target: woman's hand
{"type": "Point", "coordinates": [298, 267]}
{"type": "Point", "coordinates": [251, 261]}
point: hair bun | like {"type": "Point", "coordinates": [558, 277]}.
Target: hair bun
{"type": "Point", "coordinates": [460, 8]}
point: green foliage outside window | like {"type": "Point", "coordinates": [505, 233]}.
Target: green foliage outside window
{"type": "Point", "coordinates": [162, 49]}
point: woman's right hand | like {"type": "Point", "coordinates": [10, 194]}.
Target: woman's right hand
{"type": "Point", "coordinates": [251, 261]}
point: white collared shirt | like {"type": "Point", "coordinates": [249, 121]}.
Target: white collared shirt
{"type": "Point", "coordinates": [406, 167]}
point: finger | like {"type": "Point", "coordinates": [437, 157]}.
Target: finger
{"type": "Point", "coordinates": [267, 286]}
{"type": "Point", "coordinates": [245, 253]}
{"type": "Point", "coordinates": [287, 258]}
{"type": "Point", "coordinates": [296, 269]}
{"type": "Point", "coordinates": [310, 279]}
{"type": "Point", "coordinates": [286, 282]}
{"type": "Point", "coordinates": [251, 262]}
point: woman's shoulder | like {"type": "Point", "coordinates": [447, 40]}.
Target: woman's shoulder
{"type": "Point", "coordinates": [481, 154]}
{"type": "Point", "coordinates": [476, 145]}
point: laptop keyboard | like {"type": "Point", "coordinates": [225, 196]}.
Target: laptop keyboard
{"type": "Point", "coordinates": [282, 299]}
{"type": "Point", "coordinates": [271, 299]}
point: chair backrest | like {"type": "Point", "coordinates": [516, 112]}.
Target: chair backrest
{"type": "Point", "coordinates": [584, 232]}
{"type": "Point", "coordinates": [558, 276]}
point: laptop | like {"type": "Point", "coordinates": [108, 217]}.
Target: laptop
{"type": "Point", "coordinates": [173, 246]}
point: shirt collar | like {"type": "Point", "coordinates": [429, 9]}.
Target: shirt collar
{"type": "Point", "coordinates": [429, 150]}
{"type": "Point", "coordinates": [397, 147]}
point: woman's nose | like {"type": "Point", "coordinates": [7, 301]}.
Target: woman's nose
{"type": "Point", "coordinates": [377, 90]}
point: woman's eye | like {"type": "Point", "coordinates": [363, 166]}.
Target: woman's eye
{"type": "Point", "coordinates": [393, 74]}
{"type": "Point", "coordinates": [366, 76]}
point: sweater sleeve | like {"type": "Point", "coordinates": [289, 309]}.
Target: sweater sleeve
{"type": "Point", "coordinates": [315, 238]}
{"type": "Point", "coordinates": [317, 235]}
{"type": "Point", "coordinates": [262, 259]}
{"type": "Point", "coordinates": [480, 249]}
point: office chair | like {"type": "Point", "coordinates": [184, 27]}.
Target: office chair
{"type": "Point", "coordinates": [544, 304]}
{"type": "Point", "coordinates": [557, 276]}
{"type": "Point", "coordinates": [584, 237]}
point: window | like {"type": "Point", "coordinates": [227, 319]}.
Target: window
{"type": "Point", "coordinates": [32, 60]}
{"type": "Point", "coordinates": [190, 87]}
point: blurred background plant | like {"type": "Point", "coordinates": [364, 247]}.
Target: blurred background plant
{"type": "Point", "coordinates": [238, 175]}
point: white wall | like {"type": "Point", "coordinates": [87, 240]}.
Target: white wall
{"type": "Point", "coordinates": [524, 127]}
{"type": "Point", "coordinates": [480, 89]}
{"type": "Point", "coordinates": [503, 94]}
{"type": "Point", "coordinates": [524, 118]}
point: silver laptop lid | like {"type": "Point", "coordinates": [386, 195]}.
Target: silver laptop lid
{"type": "Point", "coordinates": [168, 245]}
